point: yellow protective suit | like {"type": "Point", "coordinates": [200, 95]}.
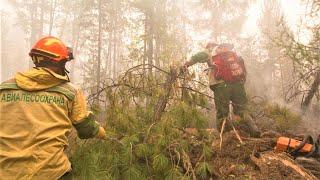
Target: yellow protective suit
{"type": "Point", "coordinates": [37, 111]}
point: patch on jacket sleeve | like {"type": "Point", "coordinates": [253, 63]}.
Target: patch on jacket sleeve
{"type": "Point", "coordinates": [88, 128]}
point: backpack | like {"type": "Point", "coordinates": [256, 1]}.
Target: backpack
{"type": "Point", "coordinates": [228, 67]}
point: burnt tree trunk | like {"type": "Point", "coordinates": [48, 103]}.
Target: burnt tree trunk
{"type": "Point", "coordinates": [313, 90]}
{"type": "Point", "coordinates": [163, 99]}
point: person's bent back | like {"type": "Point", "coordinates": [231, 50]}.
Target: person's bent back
{"type": "Point", "coordinates": [38, 109]}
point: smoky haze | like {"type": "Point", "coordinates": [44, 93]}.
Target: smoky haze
{"type": "Point", "coordinates": [108, 37]}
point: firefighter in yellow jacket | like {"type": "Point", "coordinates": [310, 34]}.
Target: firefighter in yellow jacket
{"type": "Point", "coordinates": [37, 111]}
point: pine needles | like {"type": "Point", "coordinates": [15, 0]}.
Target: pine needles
{"type": "Point", "coordinates": [149, 149]}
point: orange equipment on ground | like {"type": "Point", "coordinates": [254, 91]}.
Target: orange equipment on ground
{"type": "Point", "coordinates": [288, 144]}
{"type": "Point", "coordinates": [307, 147]}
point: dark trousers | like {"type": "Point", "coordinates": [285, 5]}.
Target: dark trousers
{"type": "Point", "coordinates": [234, 93]}
{"type": "Point", "coordinates": [226, 93]}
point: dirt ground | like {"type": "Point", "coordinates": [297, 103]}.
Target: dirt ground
{"type": "Point", "coordinates": [245, 161]}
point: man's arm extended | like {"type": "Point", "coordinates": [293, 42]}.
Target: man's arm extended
{"type": "Point", "coordinates": [83, 120]}
{"type": "Point", "coordinates": [200, 57]}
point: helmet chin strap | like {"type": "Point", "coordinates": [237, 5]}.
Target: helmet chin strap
{"type": "Point", "coordinates": [67, 74]}
{"type": "Point", "coordinates": [66, 71]}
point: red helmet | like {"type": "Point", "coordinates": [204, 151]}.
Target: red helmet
{"type": "Point", "coordinates": [52, 48]}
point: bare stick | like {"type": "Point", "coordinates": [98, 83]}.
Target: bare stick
{"type": "Point", "coordinates": [237, 134]}
{"type": "Point", "coordinates": [221, 132]}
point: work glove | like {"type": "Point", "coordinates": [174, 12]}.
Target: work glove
{"type": "Point", "coordinates": [101, 133]}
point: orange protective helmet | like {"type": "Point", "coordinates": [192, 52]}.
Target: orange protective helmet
{"type": "Point", "coordinates": [52, 48]}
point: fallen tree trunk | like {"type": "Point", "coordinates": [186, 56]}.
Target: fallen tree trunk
{"type": "Point", "coordinates": [312, 164]}
{"type": "Point", "coordinates": [271, 163]}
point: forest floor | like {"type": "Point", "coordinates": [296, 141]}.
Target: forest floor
{"type": "Point", "coordinates": [149, 137]}
{"type": "Point", "coordinates": [255, 159]}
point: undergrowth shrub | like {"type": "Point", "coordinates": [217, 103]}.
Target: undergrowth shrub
{"type": "Point", "coordinates": [272, 116]}
{"type": "Point", "coordinates": [140, 148]}
{"type": "Point", "coordinates": [284, 118]}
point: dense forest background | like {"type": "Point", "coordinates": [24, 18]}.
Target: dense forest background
{"type": "Point", "coordinates": [109, 37]}
{"type": "Point", "coordinates": [127, 59]}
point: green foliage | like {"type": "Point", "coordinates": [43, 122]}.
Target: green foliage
{"type": "Point", "coordinates": [132, 173]}
{"type": "Point", "coordinates": [148, 149]}
{"type": "Point", "coordinates": [207, 151]}
{"type": "Point", "coordinates": [143, 150]}
{"type": "Point", "coordinates": [203, 170]}
{"type": "Point", "coordinates": [175, 173]}
{"type": "Point", "coordinates": [272, 116]}
{"type": "Point", "coordinates": [160, 163]}
{"type": "Point", "coordinates": [188, 116]}
{"type": "Point", "coordinates": [89, 166]}
{"type": "Point", "coordinates": [284, 118]}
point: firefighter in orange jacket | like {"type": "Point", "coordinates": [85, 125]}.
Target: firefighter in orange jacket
{"type": "Point", "coordinates": [37, 111]}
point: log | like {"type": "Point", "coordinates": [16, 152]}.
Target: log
{"type": "Point", "coordinates": [267, 159]}
{"type": "Point", "coordinates": [312, 164]}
